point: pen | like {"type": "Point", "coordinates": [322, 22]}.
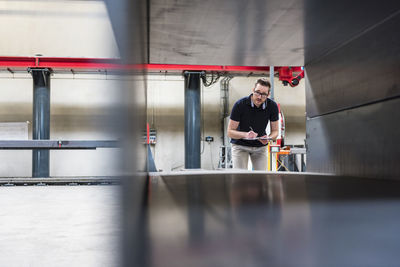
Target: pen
{"type": "Point", "coordinates": [251, 128]}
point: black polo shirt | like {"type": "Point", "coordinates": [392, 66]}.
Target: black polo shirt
{"type": "Point", "coordinates": [249, 115]}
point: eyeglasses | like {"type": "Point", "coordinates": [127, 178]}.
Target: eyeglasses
{"type": "Point", "coordinates": [263, 95]}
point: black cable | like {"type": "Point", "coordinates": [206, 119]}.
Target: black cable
{"type": "Point", "coordinates": [213, 80]}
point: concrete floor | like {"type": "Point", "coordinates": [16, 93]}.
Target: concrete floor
{"type": "Point", "coordinates": [59, 226]}
{"type": "Point", "coordinates": [206, 219]}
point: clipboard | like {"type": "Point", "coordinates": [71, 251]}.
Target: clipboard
{"type": "Point", "coordinates": [258, 138]}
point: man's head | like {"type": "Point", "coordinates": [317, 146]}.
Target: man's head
{"type": "Point", "coordinates": [261, 91]}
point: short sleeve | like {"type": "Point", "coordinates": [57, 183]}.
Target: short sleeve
{"type": "Point", "coordinates": [235, 114]}
{"type": "Point", "coordinates": [274, 112]}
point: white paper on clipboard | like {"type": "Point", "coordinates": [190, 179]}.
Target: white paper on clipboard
{"type": "Point", "coordinates": [258, 138]}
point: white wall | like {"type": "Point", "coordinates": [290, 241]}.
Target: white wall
{"type": "Point", "coordinates": [166, 115]}
{"type": "Point", "coordinates": [81, 108]}
{"type": "Point", "coordinates": [56, 29]}
{"type": "Point", "coordinates": [81, 104]}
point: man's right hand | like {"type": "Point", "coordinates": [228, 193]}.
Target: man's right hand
{"type": "Point", "coordinates": [251, 135]}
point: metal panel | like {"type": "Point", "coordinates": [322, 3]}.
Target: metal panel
{"type": "Point", "coordinates": [58, 144]}
{"type": "Point", "coordinates": [360, 142]}
{"type": "Point", "coordinates": [256, 32]}
{"type": "Point", "coordinates": [362, 71]}
{"type": "Point", "coordinates": [331, 24]}
{"type": "Point", "coordinates": [243, 220]}
{"type": "Point", "coordinates": [353, 98]}
{"type": "Point", "coordinates": [264, 219]}
{"type": "Point", "coordinates": [227, 32]}
{"type": "Point", "coordinates": [129, 22]}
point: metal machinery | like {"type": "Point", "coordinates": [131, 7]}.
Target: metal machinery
{"type": "Point", "coordinates": [286, 76]}
{"type": "Point", "coordinates": [241, 219]}
{"type": "Point", "coordinates": [208, 74]}
{"type": "Point", "coordinates": [344, 213]}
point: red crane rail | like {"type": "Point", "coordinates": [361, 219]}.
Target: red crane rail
{"type": "Point", "coordinates": [59, 64]}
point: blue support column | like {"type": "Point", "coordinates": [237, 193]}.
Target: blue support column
{"type": "Point", "coordinates": [41, 120]}
{"type": "Point", "coordinates": [271, 80]}
{"type": "Point", "coordinates": [192, 119]}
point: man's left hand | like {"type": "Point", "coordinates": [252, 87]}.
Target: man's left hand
{"type": "Point", "coordinates": [264, 141]}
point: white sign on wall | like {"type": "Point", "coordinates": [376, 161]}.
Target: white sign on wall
{"type": "Point", "coordinates": [14, 130]}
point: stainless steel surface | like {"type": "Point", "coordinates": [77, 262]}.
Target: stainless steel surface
{"type": "Point", "coordinates": [58, 144]}
{"type": "Point", "coordinates": [261, 219]}
{"type": "Point", "coordinates": [129, 20]}
{"type": "Point", "coordinates": [272, 219]}
{"type": "Point", "coordinates": [331, 25]}
{"type": "Point", "coordinates": [255, 32]}
{"type": "Point", "coordinates": [352, 93]}
{"type": "Point", "coordinates": [130, 26]}
{"type": "Point", "coordinates": [364, 69]}
{"type": "Point", "coordinates": [227, 32]}
{"type": "Point", "coordinates": [361, 141]}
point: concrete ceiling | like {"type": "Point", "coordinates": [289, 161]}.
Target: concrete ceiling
{"type": "Point", "coordinates": [226, 32]}
{"type": "Point", "coordinates": [240, 32]}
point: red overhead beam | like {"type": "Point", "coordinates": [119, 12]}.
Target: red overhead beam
{"type": "Point", "coordinates": [63, 63]}
{"type": "Point", "coordinates": [206, 67]}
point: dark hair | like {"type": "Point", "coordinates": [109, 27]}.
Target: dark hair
{"type": "Point", "coordinates": [263, 82]}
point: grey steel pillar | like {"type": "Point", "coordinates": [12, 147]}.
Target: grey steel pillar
{"type": "Point", "coordinates": [41, 120]}
{"type": "Point", "coordinates": [192, 119]}
{"type": "Point", "coordinates": [271, 80]}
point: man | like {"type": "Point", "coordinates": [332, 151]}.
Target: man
{"type": "Point", "coordinates": [249, 119]}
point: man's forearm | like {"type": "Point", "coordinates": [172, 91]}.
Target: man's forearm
{"type": "Point", "coordinates": [234, 134]}
{"type": "Point", "coordinates": [274, 135]}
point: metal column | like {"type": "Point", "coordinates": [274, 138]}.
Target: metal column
{"type": "Point", "coordinates": [192, 119]}
{"type": "Point", "coordinates": [271, 80]}
{"type": "Point", "coordinates": [41, 120]}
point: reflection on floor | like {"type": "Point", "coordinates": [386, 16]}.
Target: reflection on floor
{"type": "Point", "coordinates": [259, 219]}
{"type": "Point", "coordinates": [200, 219]}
